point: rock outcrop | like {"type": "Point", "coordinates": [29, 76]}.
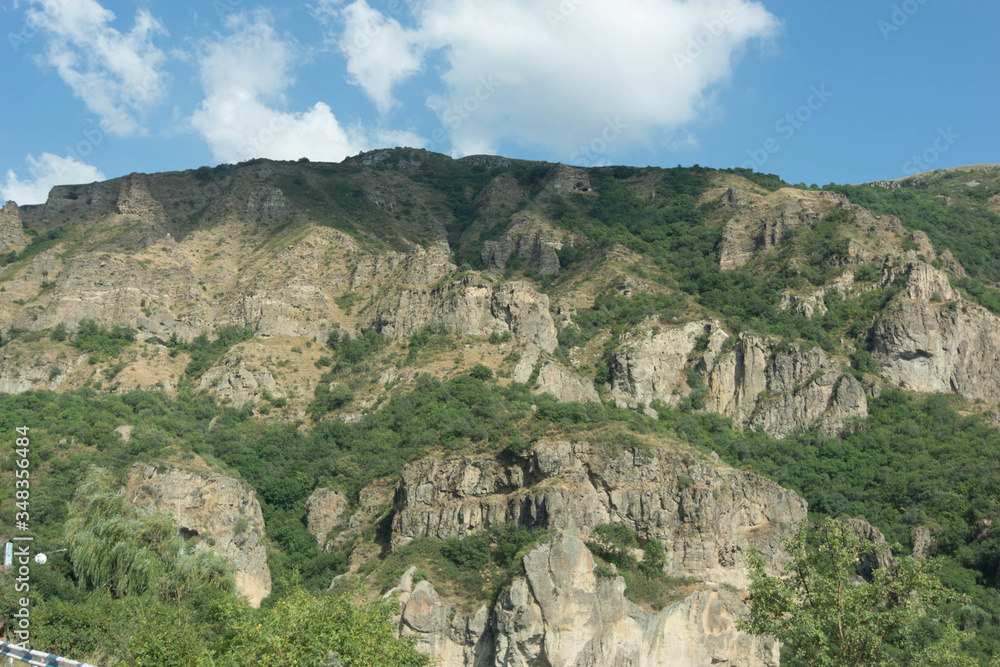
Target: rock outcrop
{"type": "Point", "coordinates": [219, 511]}
{"type": "Point", "coordinates": [708, 517]}
{"type": "Point", "coordinates": [235, 384]}
{"type": "Point", "coordinates": [12, 236]}
{"type": "Point", "coordinates": [324, 511]}
{"type": "Point", "coordinates": [880, 557]}
{"type": "Point", "coordinates": [565, 611]}
{"type": "Point", "coordinates": [553, 379]}
{"type": "Point", "coordinates": [472, 305]}
{"type": "Point", "coordinates": [763, 225]}
{"type": "Point", "coordinates": [757, 382]}
{"type": "Point", "coordinates": [534, 242]}
{"type": "Point", "coordinates": [562, 612]}
{"type": "Point", "coordinates": [930, 339]}
{"type": "Point", "coordinates": [781, 390]}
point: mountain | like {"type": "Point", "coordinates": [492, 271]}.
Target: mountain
{"type": "Point", "coordinates": [402, 352]}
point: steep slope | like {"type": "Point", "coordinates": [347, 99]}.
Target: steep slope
{"type": "Point", "coordinates": [565, 607]}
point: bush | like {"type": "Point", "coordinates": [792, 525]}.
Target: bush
{"type": "Point", "coordinates": [469, 553]}
{"type": "Point", "coordinates": [91, 337]}
{"type": "Point", "coordinates": [481, 372]}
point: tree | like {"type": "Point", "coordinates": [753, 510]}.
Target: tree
{"type": "Point", "coordinates": [314, 631]}
{"type": "Point", "coordinates": [825, 614]}
{"type": "Point", "coordinates": [114, 546]}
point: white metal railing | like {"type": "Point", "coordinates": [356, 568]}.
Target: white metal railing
{"type": "Point", "coordinates": [37, 658]}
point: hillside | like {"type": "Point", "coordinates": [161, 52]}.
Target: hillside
{"type": "Point", "coordinates": [364, 362]}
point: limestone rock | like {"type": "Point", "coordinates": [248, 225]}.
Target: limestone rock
{"type": "Point", "coordinates": [235, 384]}
{"type": "Point", "coordinates": [707, 526]}
{"type": "Point", "coordinates": [755, 383]}
{"type": "Point", "coordinates": [533, 241]}
{"type": "Point", "coordinates": [762, 225]}
{"type": "Point", "coordinates": [135, 199]}
{"type": "Point", "coordinates": [211, 507]}
{"type": "Point", "coordinates": [325, 510]}
{"type": "Point", "coordinates": [561, 613]}
{"type": "Point", "coordinates": [267, 204]}
{"type": "Point", "coordinates": [649, 365]}
{"type": "Point", "coordinates": [796, 388]}
{"type": "Point", "coordinates": [473, 306]}
{"type": "Point", "coordinates": [564, 385]}
{"type": "Point", "coordinates": [931, 340]}
{"type": "Point", "coordinates": [880, 558]}
{"type": "Point", "coordinates": [553, 379]}
{"type": "Point", "coordinates": [12, 236]}
{"type": "Point", "coordinates": [923, 541]}
{"type": "Point", "coordinates": [566, 179]}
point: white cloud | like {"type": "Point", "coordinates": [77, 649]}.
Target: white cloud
{"type": "Point", "coordinates": [47, 171]}
{"type": "Point", "coordinates": [244, 76]}
{"type": "Point", "coordinates": [379, 52]}
{"type": "Point", "coordinates": [118, 76]}
{"type": "Point", "coordinates": [560, 74]}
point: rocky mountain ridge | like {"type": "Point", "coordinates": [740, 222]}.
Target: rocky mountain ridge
{"type": "Point", "coordinates": [562, 610]}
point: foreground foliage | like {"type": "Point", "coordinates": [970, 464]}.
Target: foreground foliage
{"type": "Point", "coordinates": [825, 615]}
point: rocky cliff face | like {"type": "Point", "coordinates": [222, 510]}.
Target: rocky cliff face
{"type": "Point", "coordinates": [762, 225]}
{"type": "Point", "coordinates": [182, 254]}
{"type": "Point", "coordinates": [931, 339]}
{"type": "Point", "coordinates": [324, 510]}
{"type": "Point", "coordinates": [708, 517]}
{"type": "Point", "coordinates": [12, 236]}
{"type": "Point", "coordinates": [562, 611]}
{"type": "Point", "coordinates": [779, 390]}
{"type": "Point", "coordinates": [472, 305]}
{"type": "Point", "coordinates": [754, 380]}
{"type": "Point", "coordinates": [219, 511]}
{"type": "Point", "coordinates": [534, 242]}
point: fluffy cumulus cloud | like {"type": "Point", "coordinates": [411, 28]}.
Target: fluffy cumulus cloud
{"type": "Point", "coordinates": [45, 172]}
{"type": "Point", "coordinates": [245, 75]}
{"type": "Point", "coordinates": [119, 76]}
{"type": "Point", "coordinates": [583, 78]}
{"type": "Point", "coordinates": [379, 51]}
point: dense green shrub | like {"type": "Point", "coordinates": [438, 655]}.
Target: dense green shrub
{"type": "Point", "coordinates": [204, 352]}
{"type": "Point", "coordinates": [91, 337]}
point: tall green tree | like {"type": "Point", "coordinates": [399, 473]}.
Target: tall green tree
{"type": "Point", "coordinates": [114, 546]}
{"type": "Point", "coordinates": [302, 629]}
{"type": "Point", "coordinates": [825, 614]}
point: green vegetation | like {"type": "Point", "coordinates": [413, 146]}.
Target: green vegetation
{"type": "Point", "coordinates": [823, 617]}
{"type": "Point", "coordinates": [303, 629]}
{"type": "Point", "coordinates": [39, 244]}
{"type": "Point", "coordinates": [960, 224]}
{"type": "Point", "coordinates": [104, 343]}
{"type": "Point", "coordinates": [143, 600]}
{"type": "Point", "coordinates": [645, 580]}
{"type": "Point", "coordinates": [477, 566]}
{"type": "Point", "coordinates": [912, 462]}
{"type": "Point", "coordinates": [672, 231]}
{"type": "Point", "coordinates": [963, 226]}
{"type": "Point", "coordinates": [115, 547]}
{"type": "Point", "coordinates": [204, 352]}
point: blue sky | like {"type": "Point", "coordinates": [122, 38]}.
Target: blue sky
{"type": "Point", "coordinates": [816, 92]}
